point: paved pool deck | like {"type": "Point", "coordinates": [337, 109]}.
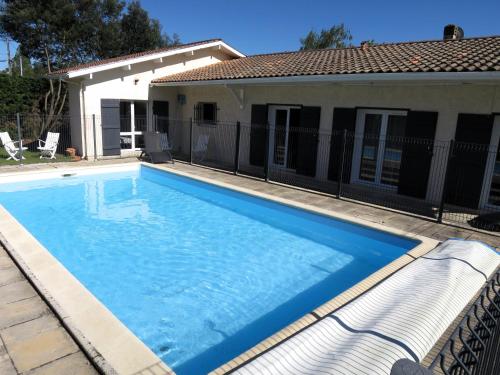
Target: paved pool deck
{"type": "Point", "coordinates": [32, 340]}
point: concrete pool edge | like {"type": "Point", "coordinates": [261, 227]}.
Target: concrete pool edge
{"type": "Point", "coordinates": [73, 302]}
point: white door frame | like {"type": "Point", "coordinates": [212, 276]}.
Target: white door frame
{"type": "Point", "coordinates": [490, 165]}
{"type": "Point", "coordinates": [358, 145]}
{"type": "Point", "coordinates": [271, 117]}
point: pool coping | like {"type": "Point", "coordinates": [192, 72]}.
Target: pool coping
{"type": "Point", "coordinates": [113, 348]}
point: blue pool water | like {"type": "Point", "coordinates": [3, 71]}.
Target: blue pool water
{"type": "Point", "coordinates": [198, 273]}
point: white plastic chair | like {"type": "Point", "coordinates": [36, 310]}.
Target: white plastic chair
{"type": "Point", "coordinates": [48, 147]}
{"type": "Point", "coordinates": [164, 143]}
{"type": "Point", "coordinates": [11, 147]}
{"type": "Point", "coordinates": [201, 147]}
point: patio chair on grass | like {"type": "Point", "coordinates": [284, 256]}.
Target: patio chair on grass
{"type": "Point", "coordinates": [157, 148]}
{"type": "Point", "coordinates": [201, 147]}
{"type": "Point", "coordinates": [11, 147]}
{"type": "Point", "coordinates": [48, 147]}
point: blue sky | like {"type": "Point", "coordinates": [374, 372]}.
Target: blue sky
{"type": "Point", "coordinates": [261, 26]}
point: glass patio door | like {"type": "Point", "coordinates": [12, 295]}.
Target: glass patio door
{"type": "Point", "coordinates": [281, 141]}
{"type": "Point", "coordinates": [133, 122]}
{"type": "Point", "coordinates": [379, 144]}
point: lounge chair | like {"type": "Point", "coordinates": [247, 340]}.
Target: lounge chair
{"type": "Point", "coordinates": [201, 147]}
{"type": "Point", "coordinates": [48, 147]}
{"type": "Point", "coordinates": [157, 148]}
{"type": "Point", "coordinates": [11, 146]}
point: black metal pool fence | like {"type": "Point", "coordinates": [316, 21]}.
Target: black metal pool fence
{"type": "Point", "coordinates": [447, 181]}
{"type": "Point", "coordinates": [443, 180]}
{"type": "Point", "coordinates": [474, 345]}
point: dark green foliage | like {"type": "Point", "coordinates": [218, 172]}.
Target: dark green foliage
{"type": "Point", "coordinates": [19, 94]}
{"type": "Point", "coordinates": [55, 34]}
{"type": "Point", "coordinates": [58, 33]}
{"type": "Point", "coordinates": [139, 32]}
{"type": "Point", "coordinates": [338, 36]}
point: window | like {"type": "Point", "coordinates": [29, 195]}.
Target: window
{"type": "Point", "coordinates": [133, 121]}
{"type": "Point", "coordinates": [379, 147]}
{"type": "Point", "coordinates": [206, 113]}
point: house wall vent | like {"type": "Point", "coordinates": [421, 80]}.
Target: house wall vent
{"type": "Point", "coordinates": [452, 32]}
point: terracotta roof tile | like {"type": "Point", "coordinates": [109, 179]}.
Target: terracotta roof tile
{"type": "Point", "coordinates": [131, 56]}
{"type": "Point", "coordinates": [470, 55]}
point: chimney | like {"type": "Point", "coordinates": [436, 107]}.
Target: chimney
{"type": "Point", "coordinates": [452, 32]}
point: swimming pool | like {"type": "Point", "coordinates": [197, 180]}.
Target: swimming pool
{"type": "Point", "coordinates": [197, 272]}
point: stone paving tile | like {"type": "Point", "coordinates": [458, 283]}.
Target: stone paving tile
{"type": "Point", "coordinates": [16, 292]}
{"type": "Point", "coordinates": [6, 365]}
{"type": "Point", "coordinates": [22, 311]}
{"type": "Point", "coordinates": [37, 342]}
{"type": "Point", "coordinates": [73, 364]}
{"type": "Point", "coordinates": [5, 262]}
{"type": "Point", "coordinates": [10, 275]}
{"type": "Point", "coordinates": [32, 341]}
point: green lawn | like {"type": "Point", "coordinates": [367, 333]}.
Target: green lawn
{"type": "Point", "coordinates": [31, 158]}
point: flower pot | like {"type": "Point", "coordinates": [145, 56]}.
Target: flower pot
{"type": "Point", "coordinates": [70, 151]}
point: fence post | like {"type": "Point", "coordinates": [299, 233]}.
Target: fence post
{"type": "Point", "coordinates": [94, 137]}
{"type": "Point", "coordinates": [266, 159]}
{"type": "Point", "coordinates": [237, 148]}
{"type": "Point", "coordinates": [191, 140]}
{"type": "Point", "coordinates": [20, 139]}
{"type": "Point", "coordinates": [445, 183]}
{"type": "Point", "coordinates": [85, 146]}
{"type": "Point", "coordinates": [341, 165]}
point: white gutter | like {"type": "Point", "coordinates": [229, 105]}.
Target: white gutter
{"type": "Point", "coordinates": [465, 77]}
{"type": "Point", "coordinates": [136, 60]}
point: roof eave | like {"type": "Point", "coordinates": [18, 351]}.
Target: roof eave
{"type": "Point", "coordinates": [135, 60]}
{"type": "Point", "coordinates": [465, 77]}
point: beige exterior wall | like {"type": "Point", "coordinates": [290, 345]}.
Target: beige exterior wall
{"type": "Point", "coordinates": [447, 99]}
{"type": "Point", "coordinates": [86, 94]}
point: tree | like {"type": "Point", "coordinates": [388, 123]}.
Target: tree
{"type": "Point", "coordinates": [27, 68]}
{"type": "Point", "coordinates": [338, 36]}
{"type": "Point", "coordinates": [59, 33]}
{"type": "Point", "coordinates": [140, 33]}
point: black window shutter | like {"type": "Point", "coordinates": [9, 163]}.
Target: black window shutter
{"type": "Point", "coordinates": [110, 125]}
{"type": "Point", "coordinates": [417, 151]}
{"type": "Point", "coordinates": [468, 163]}
{"type": "Point", "coordinates": [258, 134]}
{"type": "Point", "coordinates": [343, 119]}
{"type": "Point", "coordinates": [307, 143]}
{"type": "Point", "coordinates": [293, 137]}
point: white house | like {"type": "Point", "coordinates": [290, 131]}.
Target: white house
{"type": "Point", "coordinates": [125, 81]}
{"type": "Point", "coordinates": [425, 91]}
